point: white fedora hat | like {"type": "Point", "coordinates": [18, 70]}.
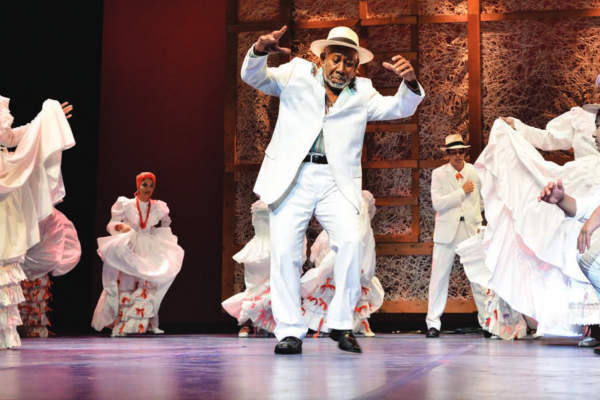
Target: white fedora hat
{"type": "Point", "coordinates": [455, 142]}
{"type": "Point", "coordinates": [342, 36]}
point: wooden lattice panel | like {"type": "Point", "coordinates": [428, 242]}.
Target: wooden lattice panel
{"type": "Point", "coordinates": [475, 60]}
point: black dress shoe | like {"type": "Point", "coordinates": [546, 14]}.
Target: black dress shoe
{"type": "Point", "coordinates": [432, 333]}
{"type": "Point", "coordinates": [346, 340]}
{"type": "Point", "coordinates": [597, 350]}
{"type": "Point", "coordinates": [487, 335]}
{"type": "Point", "coordinates": [289, 345]}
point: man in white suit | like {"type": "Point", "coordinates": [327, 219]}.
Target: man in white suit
{"type": "Point", "coordinates": [312, 166]}
{"type": "Point", "coordinates": [456, 199]}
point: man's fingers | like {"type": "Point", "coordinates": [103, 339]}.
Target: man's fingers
{"type": "Point", "coordinates": [388, 65]}
{"type": "Point", "coordinates": [559, 184]}
{"type": "Point", "coordinates": [279, 33]}
{"type": "Point", "coordinates": [283, 50]}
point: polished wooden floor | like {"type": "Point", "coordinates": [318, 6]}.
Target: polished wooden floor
{"type": "Point", "coordinates": [405, 366]}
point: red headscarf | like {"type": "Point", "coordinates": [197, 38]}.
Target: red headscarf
{"type": "Point", "coordinates": [141, 177]}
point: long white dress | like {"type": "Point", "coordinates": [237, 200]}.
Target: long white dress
{"type": "Point", "coordinates": [57, 253]}
{"type": "Point", "coordinates": [30, 184]}
{"type": "Point", "coordinates": [139, 267]}
{"type": "Point", "coordinates": [498, 318]}
{"type": "Point", "coordinates": [318, 284]}
{"type": "Point", "coordinates": [530, 245]}
{"type": "Point", "coordinates": [254, 303]}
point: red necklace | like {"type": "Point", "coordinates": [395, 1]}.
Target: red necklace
{"type": "Point", "coordinates": [142, 222]}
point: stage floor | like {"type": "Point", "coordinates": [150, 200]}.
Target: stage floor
{"type": "Point", "coordinates": [395, 366]}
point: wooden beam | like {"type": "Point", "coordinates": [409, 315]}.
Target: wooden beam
{"type": "Point", "coordinates": [396, 239]}
{"type": "Point", "coordinates": [392, 128]}
{"type": "Point", "coordinates": [404, 20]}
{"type": "Point", "coordinates": [404, 249]}
{"type": "Point", "coordinates": [474, 68]}
{"type": "Point", "coordinates": [442, 19]}
{"type": "Point", "coordinates": [414, 307]}
{"type": "Point", "coordinates": [326, 24]}
{"type": "Point", "coordinates": [390, 164]}
{"type": "Point", "coordinates": [594, 12]}
{"type": "Point", "coordinates": [397, 201]}
{"type": "Point", "coordinates": [366, 165]}
{"type": "Point", "coordinates": [432, 163]}
{"type": "Point", "coordinates": [409, 55]}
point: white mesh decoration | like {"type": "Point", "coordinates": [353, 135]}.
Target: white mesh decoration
{"type": "Point", "coordinates": [388, 146]}
{"type": "Point", "coordinates": [239, 284]}
{"type": "Point", "coordinates": [507, 6]}
{"type": "Point", "coordinates": [442, 7]}
{"type": "Point", "coordinates": [392, 220]}
{"type": "Point", "coordinates": [257, 11]}
{"type": "Point", "coordinates": [407, 278]}
{"type": "Point", "coordinates": [244, 197]}
{"type": "Point", "coordinates": [256, 111]}
{"type": "Point", "coordinates": [301, 41]}
{"type": "Point", "coordinates": [382, 77]}
{"type": "Point", "coordinates": [324, 10]}
{"type": "Point", "coordinates": [389, 38]}
{"type": "Point", "coordinates": [386, 8]}
{"type": "Point", "coordinates": [426, 211]}
{"type": "Point", "coordinates": [443, 74]}
{"type": "Point", "coordinates": [567, 60]}
{"type": "Point", "coordinates": [389, 182]}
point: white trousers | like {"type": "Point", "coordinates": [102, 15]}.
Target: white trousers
{"type": "Point", "coordinates": [441, 266]}
{"type": "Point", "coordinates": [313, 191]}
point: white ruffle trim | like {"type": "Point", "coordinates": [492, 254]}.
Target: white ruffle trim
{"type": "Point", "coordinates": [9, 337]}
{"type": "Point", "coordinates": [123, 328]}
{"type": "Point", "coordinates": [140, 309]}
{"type": "Point", "coordinates": [11, 295]}
{"type": "Point", "coordinates": [9, 317]}
{"type": "Point", "coordinates": [256, 250]}
{"type": "Point", "coordinates": [11, 274]}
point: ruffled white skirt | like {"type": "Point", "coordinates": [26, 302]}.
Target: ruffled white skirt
{"type": "Point", "coordinates": [138, 270]}
{"type": "Point", "coordinates": [530, 246]}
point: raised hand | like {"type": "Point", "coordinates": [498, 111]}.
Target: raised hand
{"type": "Point", "coordinates": [268, 44]}
{"type": "Point", "coordinates": [401, 67]}
{"type": "Point", "coordinates": [468, 187]}
{"type": "Point", "coordinates": [67, 109]}
{"type": "Point", "coordinates": [509, 121]}
{"type": "Point", "coordinates": [553, 193]}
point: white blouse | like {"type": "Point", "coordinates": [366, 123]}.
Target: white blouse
{"type": "Point", "coordinates": [125, 211]}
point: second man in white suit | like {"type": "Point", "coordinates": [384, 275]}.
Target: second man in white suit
{"type": "Point", "coordinates": [313, 166]}
{"type": "Point", "coordinates": [456, 199]}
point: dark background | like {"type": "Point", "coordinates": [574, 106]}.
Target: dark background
{"type": "Point", "coordinates": [146, 78]}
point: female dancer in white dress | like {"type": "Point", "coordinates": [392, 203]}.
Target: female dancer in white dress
{"type": "Point", "coordinates": [141, 262]}
{"type": "Point", "coordinates": [252, 307]}
{"type": "Point", "coordinates": [530, 247]}
{"type": "Point", "coordinates": [30, 184]}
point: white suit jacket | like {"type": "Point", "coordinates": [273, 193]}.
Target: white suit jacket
{"type": "Point", "coordinates": [450, 202]}
{"type": "Point", "coordinates": [302, 116]}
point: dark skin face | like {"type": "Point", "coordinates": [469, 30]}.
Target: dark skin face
{"type": "Point", "coordinates": [340, 64]}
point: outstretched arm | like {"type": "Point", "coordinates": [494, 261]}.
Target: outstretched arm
{"type": "Point", "coordinates": [255, 71]}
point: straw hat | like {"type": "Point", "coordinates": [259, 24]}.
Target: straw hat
{"type": "Point", "coordinates": [342, 36]}
{"type": "Point", "coordinates": [454, 142]}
